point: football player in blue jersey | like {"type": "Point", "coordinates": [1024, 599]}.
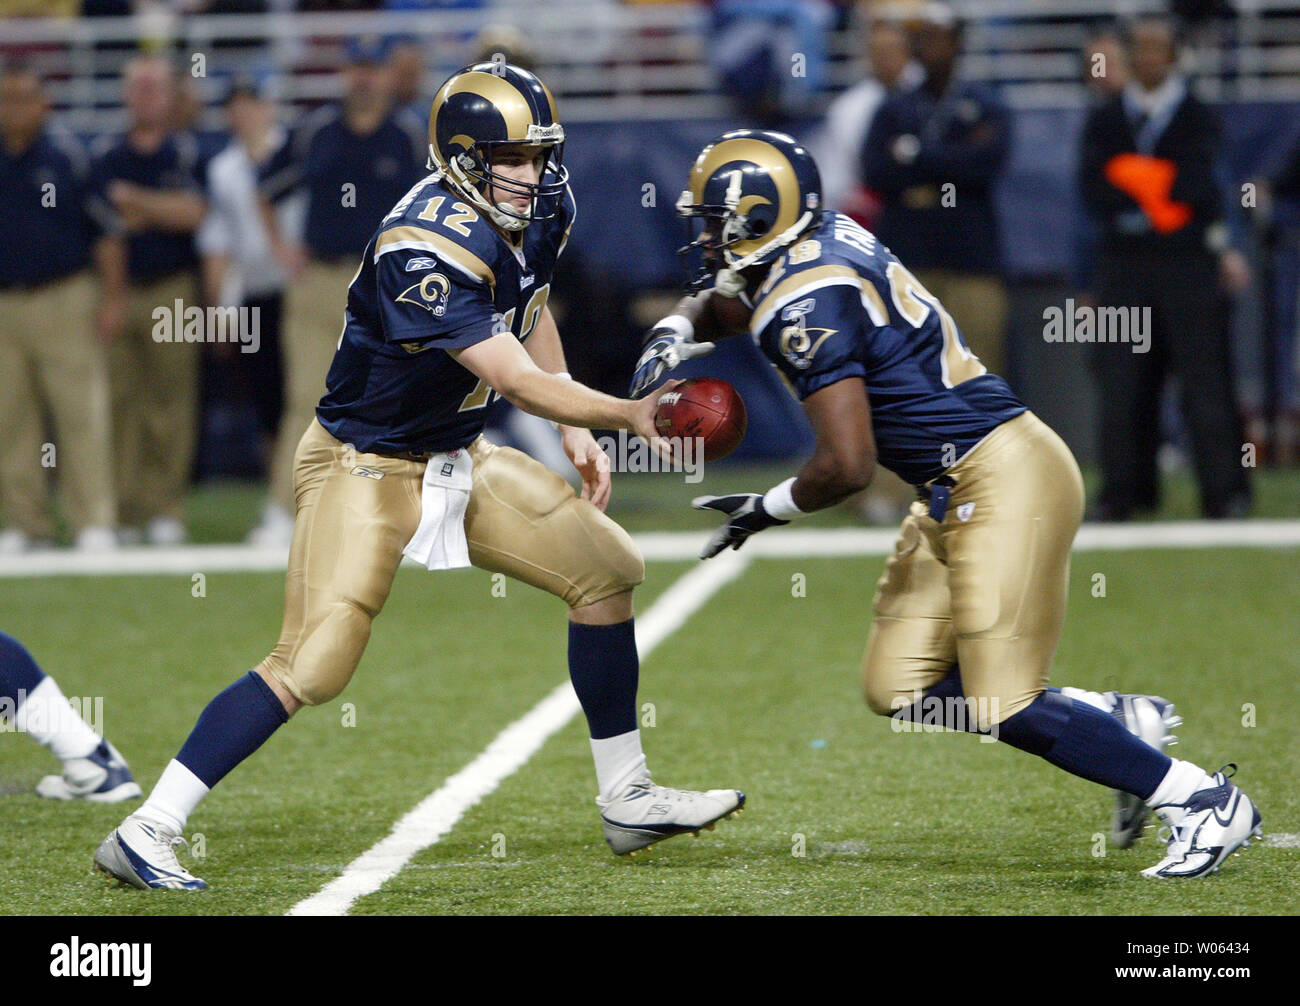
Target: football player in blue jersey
{"type": "Point", "coordinates": [447, 309]}
{"type": "Point", "coordinates": [971, 604]}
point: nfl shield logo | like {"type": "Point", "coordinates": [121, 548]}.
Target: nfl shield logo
{"type": "Point", "coordinates": [964, 511]}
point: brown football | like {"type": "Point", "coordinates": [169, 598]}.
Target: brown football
{"type": "Point", "coordinates": [707, 408]}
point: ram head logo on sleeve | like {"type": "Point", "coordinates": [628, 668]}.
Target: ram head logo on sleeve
{"type": "Point", "coordinates": [430, 293]}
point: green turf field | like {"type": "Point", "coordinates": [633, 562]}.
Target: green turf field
{"type": "Point", "coordinates": [758, 691]}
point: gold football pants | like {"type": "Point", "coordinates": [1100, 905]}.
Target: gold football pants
{"type": "Point", "coordinates": [985, 589]}
{"type": "Point", "coordinates": [357, 511]}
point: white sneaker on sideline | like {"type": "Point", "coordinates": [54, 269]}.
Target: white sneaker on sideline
{"type": "Point", "coordinates": [165, 531]}
{"type": "Point", "coordinates": [95, 539]}
{"type": "Point", "coordinates": [275, 530]}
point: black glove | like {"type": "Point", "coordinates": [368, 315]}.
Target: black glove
{"type": "Point", "coordinates": [745, 514]}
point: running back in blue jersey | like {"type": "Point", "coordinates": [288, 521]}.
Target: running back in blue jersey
{"type": "Point", "coordinates": [838, 304]}
{"type": "Point", "coordinates": [435, 277]}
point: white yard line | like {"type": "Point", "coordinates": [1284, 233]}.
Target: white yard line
{"type": "Point", "coordinates": [667, 546]}
{"type": "Point", "coordinates": [439, 812]}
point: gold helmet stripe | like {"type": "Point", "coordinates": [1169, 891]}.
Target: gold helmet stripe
{"type": "Point", "coordinates": [555, 115]}
{"type": "Point", "coordinates": [396, 238]}
{"type": "Point", "coordinates": [766, 156]}
{"type": "Point", "coordinates": [512, 105]}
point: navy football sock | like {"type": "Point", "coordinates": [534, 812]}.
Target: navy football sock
{"type": "Point", "coordinates": [1086, 742]}
{"type": "Point", "coordinates": [18, 670]}
{"type": "Point", "coordinates": [604, 667]}
{"type": "Point", "coordinates": [234, 725]}
{"type": "Point", "coordinates": [934, 697]}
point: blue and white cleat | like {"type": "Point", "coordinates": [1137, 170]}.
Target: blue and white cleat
{"type": "Point", "coordinates": [1153, 720]}
{"type": "Point", "coordinates": [142, 853]}
{"type": "Point", "coordinates": [644, 814]}
{"type": "Point", "coordinates": [1207, 829]}
{"type": "Point", "coordinates": [101, 777]}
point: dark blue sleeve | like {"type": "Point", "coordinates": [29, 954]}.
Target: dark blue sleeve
{"type": "Point", "coordinates": [424, 300]}
{"type": "Point", "coordinates": [816, 341]}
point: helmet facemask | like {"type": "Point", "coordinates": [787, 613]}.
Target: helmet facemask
{"type": "Point", "coordinates": [713, 230]}
{"type": "Point", "coordinates": [471, 172]}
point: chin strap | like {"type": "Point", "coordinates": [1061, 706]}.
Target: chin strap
{"type": "Point", "coordinates": [504, 218]}
{"type": "Point", "coordinates": [780, 241]}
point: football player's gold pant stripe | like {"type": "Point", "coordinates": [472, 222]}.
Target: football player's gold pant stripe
{"type": "Point", "coordinates": [988, 592]}
{"type": "Point", "coordinates": [523, 520]}
{"type": "Point", "coordinates": [408, 236]}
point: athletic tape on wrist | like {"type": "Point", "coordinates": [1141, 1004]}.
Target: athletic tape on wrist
{"type": "Point", "coordinates": [779, 502]}
{"type": "Point", "coordinates": [679, 325]}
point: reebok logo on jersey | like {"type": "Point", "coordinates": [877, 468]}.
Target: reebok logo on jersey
{"type": "Point", "coordinates": [793, 312]}
{"type": "Point", "coordinates": [422, 262]}
{"type": "Point", "coordinates": [361, 471]}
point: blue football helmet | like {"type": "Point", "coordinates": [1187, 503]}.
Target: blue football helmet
{"type": "Point", "coordinates": [750, 193]}
{"type": "Point", "coordinates": [484, 107]}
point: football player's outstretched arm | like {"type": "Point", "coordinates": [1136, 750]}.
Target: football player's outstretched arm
{"type": "Point", "coordinates": [842, 463]}
{"type": "Point", "coordinates": [714, 317]}
{"type": "Point", "coordinates": [504, 364]}
{"type": "Point", "coordinates": [696, 323]}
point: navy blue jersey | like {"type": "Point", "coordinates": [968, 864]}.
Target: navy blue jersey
{"type": "Point", "coordinates": [178, 163]}
{"type": "Point", "coordinates": [43, 211]}
{"type": "Point", "coordinates": [351, 180]}
{"type": "Point", "coordinates": [436, 276]}
{"type": "Point", "coordinates": [839, 304]}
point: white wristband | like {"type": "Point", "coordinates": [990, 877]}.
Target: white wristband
{"type": "Point", "coordinates": [680, 326]}
{"type": "Point", "coordinates": [779, 502]}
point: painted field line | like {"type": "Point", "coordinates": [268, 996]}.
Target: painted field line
{"type": "Point", "coordinates": [438, 813]}
{"type": "Point", "coordinates": [663, 546]}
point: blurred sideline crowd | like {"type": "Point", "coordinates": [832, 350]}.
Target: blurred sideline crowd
{"type": "Point", "coordinates": [108, 242]}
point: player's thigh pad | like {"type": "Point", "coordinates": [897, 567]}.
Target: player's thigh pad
{"type": "Point", "coordinates": [911, 645]}
{"type": "Point", "coordinates": [355, 514]}
{"type": "Point", "coordinates": [525, 521]}
{"type": "Point", "coordinates": [1009, 561]}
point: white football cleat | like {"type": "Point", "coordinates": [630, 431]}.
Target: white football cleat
{"type": "Point", "coordinates": [1153, 720]}
{"type": "Point", "coordinates": [645, 813]}
{"type": "Point", "coordinates": [1205, 830]}
{"type": "Point", "coordinates": [142, 853]}
{"type": "Point", "coordinates": [101, 777]}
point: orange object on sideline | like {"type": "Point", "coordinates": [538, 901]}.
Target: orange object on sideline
{"type": "Point", "coordinates": [1149, 180]}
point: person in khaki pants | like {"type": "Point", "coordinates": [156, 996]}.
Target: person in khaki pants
{"type": "Point", "coordinates": [49, 360]}
{"type": "Point", "coordinates": [147, 199]}
{"type": "Point", "coordinates": [353, 161]}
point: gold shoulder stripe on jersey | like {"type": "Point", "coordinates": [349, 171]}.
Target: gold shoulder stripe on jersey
{"type": "Point", "coordinates": [793, 286]}
{"type": "Point", "coordinates": [452, 253]}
